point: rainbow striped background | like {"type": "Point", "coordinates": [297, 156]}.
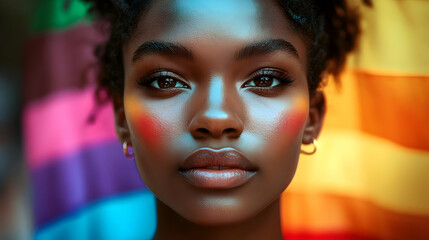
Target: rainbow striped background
{"type": "Point", "coordinates": [368, 180]}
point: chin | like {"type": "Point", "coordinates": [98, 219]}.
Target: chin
{"type": "Point", "coordinates": [219, 216]}
{"type": "Point", "coordinates": [223, 211]}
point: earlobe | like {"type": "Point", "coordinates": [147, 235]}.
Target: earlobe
{"type": "Point", "coordinates": [315, 118]}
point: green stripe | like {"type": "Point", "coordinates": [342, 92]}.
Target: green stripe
{"type": "Point", "coordinates": [55, 15]}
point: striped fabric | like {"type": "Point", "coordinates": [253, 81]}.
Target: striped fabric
{"type": "Point", "coordinates": [370, 176]}
{"type": "Point", "coordinates": [368, 180]}
{"type": "Point", "coordinates": [84, 188]}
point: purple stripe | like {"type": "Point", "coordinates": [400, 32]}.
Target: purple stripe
{"type": "Point", "coordinates": [60, 60]}
{"type": "Point", "coordinates": [76, 180]}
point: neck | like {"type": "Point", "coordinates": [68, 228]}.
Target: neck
{"type": "Point", "coordinates": [265, 225]}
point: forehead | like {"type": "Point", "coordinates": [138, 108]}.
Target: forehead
{"type": "Point", "coordinates": [238, 19]}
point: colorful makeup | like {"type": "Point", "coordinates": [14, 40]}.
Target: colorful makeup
{"type": "Point", "coordinates": [148, 128]}
{"type": "Point", "coordinates": [292, 122]}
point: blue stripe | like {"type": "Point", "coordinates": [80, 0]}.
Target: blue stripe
{"type": "Point", "coordinates": [129, 216]}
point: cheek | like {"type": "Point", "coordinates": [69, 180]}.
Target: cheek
{"type": "Point", "coordinates": [148, 129]}
{"type": "Point", "coordinates": [143, 124]}
{"type": "Point", "coordinates": [292, 122]}
{"type": "Point", "coordinates": [286, 144]}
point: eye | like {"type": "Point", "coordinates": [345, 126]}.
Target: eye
{"type": "Point", "coordinates": [163, 80]}
{"type": "Point", "coordinates": [268, 78]}
{"type": "Point", "coordinates": [264, 81]}
{"type": "Point", "coordinates": [166, 82]}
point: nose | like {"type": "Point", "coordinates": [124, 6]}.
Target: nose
{"type": "Point", "coordinates": [219, 113]}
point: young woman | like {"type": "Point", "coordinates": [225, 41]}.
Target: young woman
{"type": "Point", "coordinates": [213, 99]}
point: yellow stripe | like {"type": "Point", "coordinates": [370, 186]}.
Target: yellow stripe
{"type": "Point", "coordinates": [351, 163]}
{"type": "Point", "coordinates": [395, 37]}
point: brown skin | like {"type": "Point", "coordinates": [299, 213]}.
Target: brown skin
{"type": "Point", "coordinates": [217, 101]}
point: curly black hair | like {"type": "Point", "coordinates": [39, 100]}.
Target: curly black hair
{"type": "Point", "coordinates": [331, 26]}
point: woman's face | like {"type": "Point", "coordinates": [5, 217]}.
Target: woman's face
{"type": "Point", "coordinates": [215, 105]}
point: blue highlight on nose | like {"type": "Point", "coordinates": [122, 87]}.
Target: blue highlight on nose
{"type": "Point", "coordinates": [216, 98]}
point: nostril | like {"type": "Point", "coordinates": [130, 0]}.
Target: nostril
{"type": "Point", "coordinates": [203, 131]}
{"type": "Point", "coordinates": [232, 132]}
{"type": "Point", "coordinates": [229, 130]}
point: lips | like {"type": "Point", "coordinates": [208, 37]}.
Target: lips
{"type": "Point", "coordinates": [217, 169]}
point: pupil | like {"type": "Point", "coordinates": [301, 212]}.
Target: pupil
{"type": "Point", "coordinates": [263, 81]}
{"type": "Point", "coordinates": [166, 83]}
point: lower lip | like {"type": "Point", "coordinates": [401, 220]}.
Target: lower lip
{"type": "Point", "coordinates": [217, 179]}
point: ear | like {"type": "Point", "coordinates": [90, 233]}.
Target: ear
{"type": "Point", "coordinates": [315, 118]}
{"type": "Point", "coordinates": [121, 125]}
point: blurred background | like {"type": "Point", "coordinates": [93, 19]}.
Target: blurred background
{"type": "Point", "coordinates": [15, 195]}
{"type": "Point", "coordinates": [63, 174]}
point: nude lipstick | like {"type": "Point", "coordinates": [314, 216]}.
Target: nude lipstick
{"type": "Point", "coordinates": [217, 169]}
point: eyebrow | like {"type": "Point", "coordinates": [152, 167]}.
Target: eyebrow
{"type": "Point", "coordinates": [178, 50]}
{"type": "Point", "coordinates": [162, 48]}
{"type": "Point", "coordinates": [266, 47]}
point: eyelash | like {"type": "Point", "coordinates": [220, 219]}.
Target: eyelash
{"type": "Point", "coordinates": [152, 77]}
{"type": "Point", "coordinates": [272, 74]}
{"type": "Point", "coordinates": [283, 78]}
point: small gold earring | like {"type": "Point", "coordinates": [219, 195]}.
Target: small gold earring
{"type": "Point", "coordinates": [314, 148]}
{"type": "Point", "coordinates": [126, 148]}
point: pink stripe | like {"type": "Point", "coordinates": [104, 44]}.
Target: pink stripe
{"type": "Point", "coordinates": [59, 125]}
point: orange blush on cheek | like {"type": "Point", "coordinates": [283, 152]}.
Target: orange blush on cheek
{"type": "Point", "coordinates": [292, 122]}
{"type": "Point", "coordinates": [148, 128]}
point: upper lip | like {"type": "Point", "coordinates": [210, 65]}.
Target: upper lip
{"type": "Point", "coordinates": [225, 158]}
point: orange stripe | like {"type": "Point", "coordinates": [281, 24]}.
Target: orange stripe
{"type": "Point", "coordinates": [342, 103]}
{"type": "Point", "coordinates": [391, 107]}
{"type": "Point", "coordinates": [395, 108]}
{"type": "Point", "coordinates": [326, 213]}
